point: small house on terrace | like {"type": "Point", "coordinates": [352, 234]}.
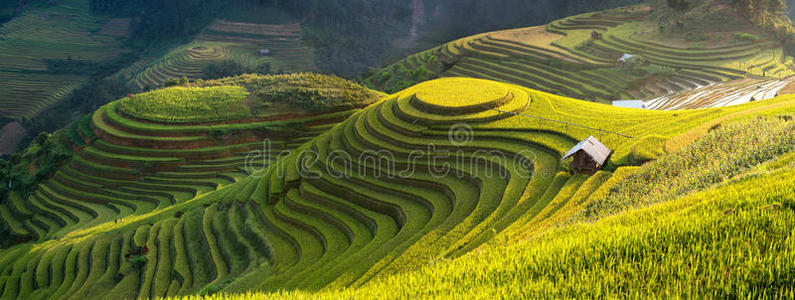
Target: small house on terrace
{"type": "Point", "coordinates": [589, 155]}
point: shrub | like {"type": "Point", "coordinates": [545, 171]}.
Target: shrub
{"type": "Point", "coordinates": [224, 68]}
{"type": "Point", "coordinates": [746, 37]}
{"type": "Point", "coordinates": [679, 4]}
{"type": "Point", "coordinates": [209, 290]}
{"type": "Point", "coordinates": [26, 168]}
{"type": "Point", "coordinates": [696, 36]}
{"type": "Point", "coordinates": [264, 68]}
{"type": "Point", "coordinates": [138, 261]}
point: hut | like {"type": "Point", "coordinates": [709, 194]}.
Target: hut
{"type": "Point", "coordinates": [264, 52]}
{"type": "Point", "coordinates": [596, 35]}
{"type": "Point", "coordinates": [589, 155]}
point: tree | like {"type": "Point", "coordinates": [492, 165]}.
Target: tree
{"type": "Point", "coordinates": [224, 68]}
{"type": "Point", "coordinates": [4, 180]}
{"type": "Point", "coordinates": [679, 4]}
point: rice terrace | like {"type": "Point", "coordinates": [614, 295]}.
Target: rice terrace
{"type": "Point", "coordinates": [299, 150]}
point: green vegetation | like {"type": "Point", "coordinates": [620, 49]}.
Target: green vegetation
{"type": "Point", "coordinates": [116, 162]}
{"type": "Point", "coordinates": [674, 50]}
{"type": "Point", "coordinates": [225, 48]}
{"type": "Point", "coordinates": [182, 104]}
{"type": "Point", "coordinates": [772, 17]}
{"type": "Point", "coordinates": [348, 44]}
{"type": "Point", "coordinates": [76, 55]}
{"type": "Point", "coordinates": [717, 243]}
{"type": "Point", "coordinates": [26, 169]}
{"type": "Point", "coordinates": [660, 248]}
{"type": "Point", "coordinates": [746, 37]}
{"type": "Point", "coordinates": [38, 35]}
{"type": "Point", "coordinates": [229, 68]}
{"type": "Point", "coordinates": [726, 152]}
{"type": "Point", "coordinates": [312, 186]}
{"type": "Point", "coordinates": [312, 92]}
{"type": "Point", "coordinates": [180, 209]}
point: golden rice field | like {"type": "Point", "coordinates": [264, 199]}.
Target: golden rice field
{"type": "Point", "coordinates": [440, 190]}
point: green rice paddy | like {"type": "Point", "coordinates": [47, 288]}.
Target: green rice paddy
{"type": "Point", "coordinates": [144, 211]}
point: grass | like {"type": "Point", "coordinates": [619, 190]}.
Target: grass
{"type": "Point", "coordinates": [179, 104]}
{"type": "Point", "coordinates": [347, 223]}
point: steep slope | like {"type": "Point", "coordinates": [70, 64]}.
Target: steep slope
{"type": "Point", "coordinates": [225, 41]}
{"type": "Point", "coordinates": [423, 175]}
{"type": "Point", "coordinates": [65, 30]}
{"type": "Point", "coordinates": [625, 53]}
{"type": "Point", "coordinates": [149, 151]}
{"type": "Point", "coordinates": [728, 241]}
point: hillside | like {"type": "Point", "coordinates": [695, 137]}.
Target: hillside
{"type": "Point", "coordinates": [360, 202]}
{"type": "Point", "coordinates": [715, 242]}
{"type": "Point", "coordinates": [66, 58]}
{"type": "Point", "coordinates": [226, 42]}
{"type": "Point", "coordinates": [150, 151]}
{"type": "Point", "coordinates": [119, 47]}
{"type": "Point", "coordinates": [64, 32]}
{"type": "Point", "coordinates": [726, 240]}
{"type": "Point", "coordinates": [664, 54]}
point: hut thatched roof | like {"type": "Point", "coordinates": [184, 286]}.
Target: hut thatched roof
{"type": "Point", "coordinates": [593, 147]}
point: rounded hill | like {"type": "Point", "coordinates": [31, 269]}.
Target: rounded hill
{"type": "Point", "coordinates": [150, 151]}
{"type": "Point", "coordinates": [310, 91]}
{"type": "Point", "coordinates": [247, 97]}
{"type": "Point", "coordinates": [452, 95]}
{"type": "Point", "coordinates": [147, 210]}
{"type": "Point", "coordinates": [185, 104]}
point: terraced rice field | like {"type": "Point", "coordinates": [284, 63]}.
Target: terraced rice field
{"type": "Point", "coordinates": [60, 31]}
{"type": "Point", "coordinates": [235, 41]}
{"type": "Point", "coordinates": [288, 50]}
{"type": "Point", "coordinates": [126, 166]}
{"type": "Point", "coordinates": [562, 58]}
{"type": "Point", "coordinates": [363, 199]}
{"type": "Point", "coordinates": [185, 61]}
{"type": "Point", "coordinates": [720, 94]}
